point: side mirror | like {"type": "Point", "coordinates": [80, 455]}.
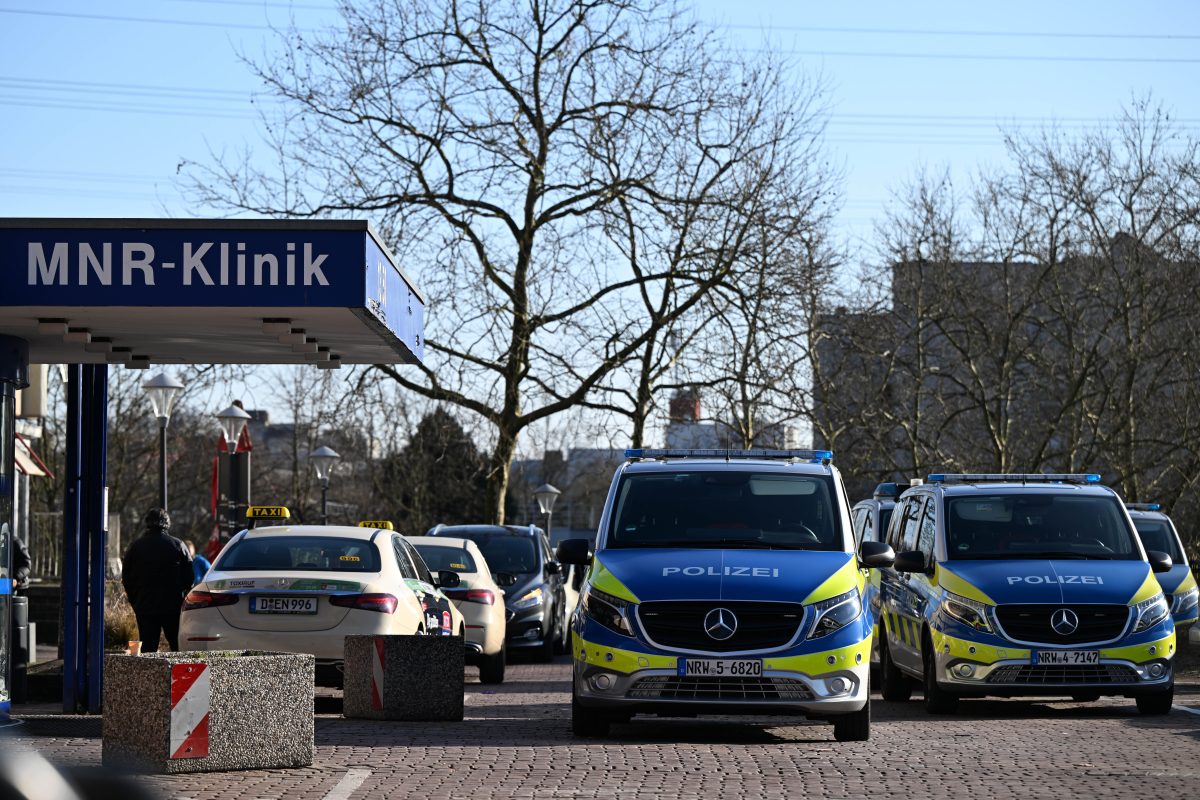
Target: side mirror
{"type": "Point", "coordinates": [505, 579]}
{"type": "Point", "coordinates": [553, 568]}
{"type": "Point", "coordinates": [574, 551]}
{"type": "Point", "coordinates": [876, 555]}
{"type": "Point", "coordinates": [447, 579]}
{"type": "Point", "coordinates": [910, 561]}
{"type": "Point", "coordinates": [1159, 561]}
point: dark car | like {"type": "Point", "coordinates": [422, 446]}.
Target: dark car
{"type": "Point", "coordinates": [521, 562]}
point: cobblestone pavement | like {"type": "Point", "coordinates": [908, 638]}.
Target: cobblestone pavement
{"type": "Point", "coordinates": [515, 743]}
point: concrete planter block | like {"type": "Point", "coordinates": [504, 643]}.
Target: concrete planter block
{"type": "Point", "coordinates": [208, 711]}
{"type": "Point", "coordinates": [404, 677]}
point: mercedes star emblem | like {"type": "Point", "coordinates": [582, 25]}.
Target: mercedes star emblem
{"type": "Point", "coordinates": [1064, 621]}
{"type": "Point", "coordinates": [720, 624]}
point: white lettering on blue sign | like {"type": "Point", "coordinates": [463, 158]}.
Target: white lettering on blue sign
{"type": "Point", "coordinates": [732, 572]}
{"type": "Point", "coordinates": [138, 265]}
{"type": "Point", "coordinates": [1089, 579]}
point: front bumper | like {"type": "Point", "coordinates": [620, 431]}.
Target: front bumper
{"type": "Point", "coordinates": [819, 680]}
{"type": "Point", "coordinates": [526, 629]}
{"type": "Point", "coordinates": [969, 668]}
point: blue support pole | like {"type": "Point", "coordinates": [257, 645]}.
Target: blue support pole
{"type": "Point", "coordinates": [72, 540]}
{"type": "Point", "coordinates": [94, 495]}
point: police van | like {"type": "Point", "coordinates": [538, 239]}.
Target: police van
{"type": "Point", "coordinates": [723, 582]}
{"type": "Point", "coordinates": [1157, 532]}
{"type": "Point", "coordinates": [1015, 585]}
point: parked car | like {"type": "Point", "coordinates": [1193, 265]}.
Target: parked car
{"type": "Point", "coordinates": [304, 588]}
{"type": "Point", "coordinates": [521, 563]}
{"type": "Point", "coordinates": [1157, 532]}
{"type": "Point", "coordinates": [477, 597]}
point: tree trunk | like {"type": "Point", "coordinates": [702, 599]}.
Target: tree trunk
{"type": "Point", "coordinates": [498, 472]}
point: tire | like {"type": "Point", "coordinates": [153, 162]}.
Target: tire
{"type": "Point", "coordinates": [491, 668]}
{"type": "Point", "coordinates": [894, 685]}
{"type": "Point", "coordinates": [1157, 704]}
{"type": "Point", "coordinates": [937, 699]}
{"type": "Point", "coordinates": [588, 723]}
{"type": "Point", "coordinates": [1085, 697]}
{"type": "Point", "coordinates": [854, 727]}
{"type": "Point", "coordinates": [562, 644]}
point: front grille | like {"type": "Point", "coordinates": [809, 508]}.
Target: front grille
{"type": "Point", "coordinates": [760, 626]}
{"type": "Point", "coordinates": [673, 687]}
{"type": "Point", "coordinates": [1054, 674]}
{"type": "Point", "coordinates": [1031, 622]}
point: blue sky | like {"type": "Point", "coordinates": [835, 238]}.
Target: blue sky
{"type": "Point", "coordinates": [101, 100]}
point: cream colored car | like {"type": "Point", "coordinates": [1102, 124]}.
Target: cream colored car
{"type": "Point", "coordinates": [304, 588]}
{"type": "Point", "coordinates": [477, 596]}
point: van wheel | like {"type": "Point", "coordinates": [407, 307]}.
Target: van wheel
{"type": "Point", "coordinates": [591, 723]}
{"type": "Point", "coordinates": [937, 699]}
{"type": "Point", "coordinates": [894, 685]}
{"type": "Point", "coordinates": [491, 668]}
{"type": "Point", "coordinates": [1156, 704]}
{"type": "Point", "coordinates": [855, 727]}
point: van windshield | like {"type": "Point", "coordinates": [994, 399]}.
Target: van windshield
{"type": "Point", "coordinates": [1156, 534]}
{"type": "Point", "coordinates": [734, 509]}
{"type": "Point", "coordinates": [1037, 525]}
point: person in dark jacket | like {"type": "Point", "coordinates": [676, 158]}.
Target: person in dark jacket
{"type": "Point", "coordinates": [21, 563]}
{"type": "Point", "coordinates": [157, 574]}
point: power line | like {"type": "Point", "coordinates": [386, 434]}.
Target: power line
{"type": "Point", "coordinates": [989, 34]}
{"type": "Point", "coordinates": [980, 57]}
{"type": "Point", "coordinates": [50, 82]}
{"type": "Point", "coordinates": [151, 20]}
{"type": "Point", "coordinates": [126, 109]}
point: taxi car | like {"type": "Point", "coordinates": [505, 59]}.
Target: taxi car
{"type": "Point", "coordinates": [303, 588]}
{"type": "Point", "coordinates": [1157, 532]}
{"type": "Point", "coordinates": [477, 597]}
{"type": "Point", "coordinates": [723, 582]}
{"type": "Point", "coordinates": [1026, 584]}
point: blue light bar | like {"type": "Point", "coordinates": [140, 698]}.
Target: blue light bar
{"type": "Point", "coordinates": [890, 489]}
{"type": "Point", "coordinates": [1014, 477]}
{"type": "Point", "coordinates": [813, 456]}
{"type": "Point", "coordinates": [1144, 506]}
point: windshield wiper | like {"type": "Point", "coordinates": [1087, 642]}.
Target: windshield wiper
{"type": "Point", "coordinates": [1067, 554]}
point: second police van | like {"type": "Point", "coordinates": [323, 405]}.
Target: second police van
{"type": "Point", "coordinates": [723, 582]}
{"type": "Point", "coordinates": [1157, 532]}
{"type": "Point", "coordinates": [1017, 585]}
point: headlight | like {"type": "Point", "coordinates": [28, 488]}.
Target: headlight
{"type": "Point", "coordinates": [1150, 612]}
{"type": "Point", "coordinates": [528, 600]}
{"type": "Point", "coordinates": [835, 613]}
{"type": "Point", "coordinates": [967, 611]}
{"type": "Point", "coordinates": [611, 612]}
{"type": "Point", "coordinates": [1185, 601]}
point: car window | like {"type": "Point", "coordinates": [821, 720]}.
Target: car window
{"type": "Point", "coordinates": [856, 524]}
{"type": "Point", "coordinates": [515, 554]}
{"type": "Point", "coordinates": [407, 570]}
{"type": "Point", "coordinates": [1157, 535]}
{"type": "Point", "coordinates": [868, 530]}
{"type": "Point", "coordinates": [927, 533]}
{"type": "Point", "coordinates": [1037, 525]}
{"type": "Point", "coordinates": [885, 518]}
{"type": "Point", "coordinates": [912, 518]}
{"type": "Point", "coordinates": [454, 559]}
{"type": "Point", "coordinates": [418, 562]}
{"type": "Point", "coordinates": [729, 509]}
{"type": "Point", "coordinates": [895, 525]}
{"type": "Point", "coordinates": [292, 553]}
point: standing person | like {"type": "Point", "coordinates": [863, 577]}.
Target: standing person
{"type": "Point", "coordinates": [156, 576]}
{"type": "Point", "coordinates": [200, 564]}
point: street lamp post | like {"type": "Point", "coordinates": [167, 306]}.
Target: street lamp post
{"type": "Point", "coordinates": [546, 495]}
{"type": "Point", "coordinates": [162, 390]}
{"type": "Point", "coordinates": [323, 459]}
{"type": "Point", "coordinates": [232, 420]}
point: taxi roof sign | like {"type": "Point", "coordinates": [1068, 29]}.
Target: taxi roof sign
{"type": "Point", "coordinates": [268, 512]}
{"type": "Point", "coordinates": [382, 524]}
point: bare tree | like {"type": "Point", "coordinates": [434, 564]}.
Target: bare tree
{"type": "Point", "coordinates": [493, 142]}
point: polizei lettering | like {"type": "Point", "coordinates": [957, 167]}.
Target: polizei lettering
{"type": "Point", "coordinates": [1092, 579]}
{"type": "Point", "coordinates": [749, 572]}
{"type": "Point", "coordinates": [200, 263]}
